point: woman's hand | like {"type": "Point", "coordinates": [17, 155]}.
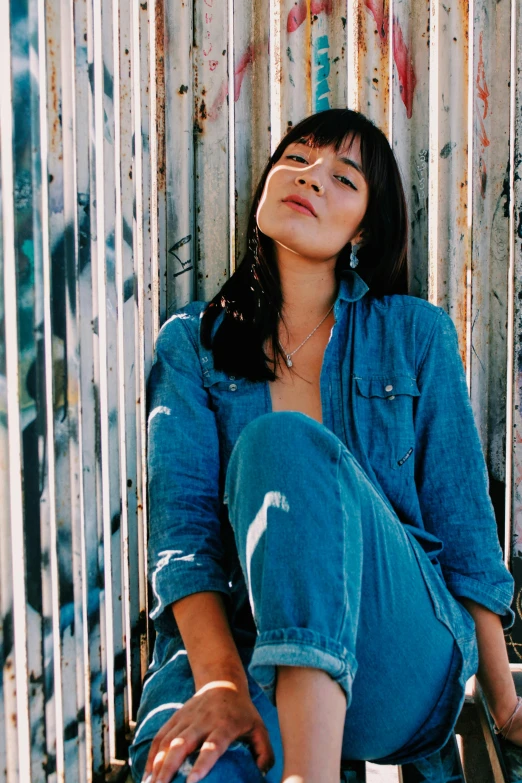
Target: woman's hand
{"type": "Point", "coordinates": [217, 715]}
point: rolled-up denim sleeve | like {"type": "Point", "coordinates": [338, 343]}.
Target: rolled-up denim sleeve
{"type": "Point", "coordinates": [185, 551]}
{"type": "Point", "coordinates": [452, 480]}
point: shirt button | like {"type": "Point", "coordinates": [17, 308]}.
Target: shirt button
{"type": "Point", "coordinates": [233, 387]}
{"type": "Point", "coordinates": [388, 388]}
{"type": "Point", "coordinates": [391, 397]}
{"type": "Point", "coordinates": [232, 377]}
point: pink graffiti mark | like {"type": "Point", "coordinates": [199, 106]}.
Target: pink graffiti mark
{"type": "Point", "coordinates": [402, 59]}
{"type": "Point", "coordinates": [482, 94]}
{"type": "Point", "coordinates": [240, 70]}
{"type": "Point", "coordinates": [299, 12]}
{"type": "Point", "coordinates": [482, 87]}
{"type": "Point", "coordinates": [379, 11]}
{"type": "Point", "coordinates": [401, 53]}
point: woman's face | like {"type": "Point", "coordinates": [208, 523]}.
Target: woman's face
{"type": "Point", "coordinates": [335, 189]}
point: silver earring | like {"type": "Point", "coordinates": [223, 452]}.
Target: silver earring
{"type": "Point", "coordinates": [353, 256]}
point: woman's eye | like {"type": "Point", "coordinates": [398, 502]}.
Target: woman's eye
{"type": "Point", "coordinates": [348, 182]}
{"type": "Point", "coordinates": [303, 160]}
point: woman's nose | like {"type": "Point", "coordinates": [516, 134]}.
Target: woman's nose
{"type": "Point", "coordinates": [310, 180]}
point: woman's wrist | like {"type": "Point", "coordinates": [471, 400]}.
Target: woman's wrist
{"type": "Point", "coordinates": [502, 713]}
{"type": "Point", "coordinates": [208, 640]}
{"type": "Point", "coordinates": [225, 670]}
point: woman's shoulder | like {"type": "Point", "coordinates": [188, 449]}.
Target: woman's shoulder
{"type": "Point", "coordinates": [410, 311]}
{"type": "Point", "coordinates": [407, 303]}
{"type": "Point", "coordinates": [184, 322]}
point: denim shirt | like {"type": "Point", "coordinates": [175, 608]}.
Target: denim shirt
{"type": "Point", "coordinates": [393, 389]}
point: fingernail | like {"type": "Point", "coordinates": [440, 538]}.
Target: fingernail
{"type": "Point", "coordinates": [193, 778]}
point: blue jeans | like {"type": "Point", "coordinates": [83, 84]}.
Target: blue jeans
{"type": "Point", "coordinates": [334, 583]}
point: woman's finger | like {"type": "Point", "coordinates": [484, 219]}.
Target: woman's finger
{"type": "Point", "coordinates": [262, 747]}
{"type": "Point", "coordinates": [172, 753]}
{"type": "Point", "coordinates": [211, 750]}
{"type": "Point", "coordinates": [171, 725]}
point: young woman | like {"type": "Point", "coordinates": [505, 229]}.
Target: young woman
{"type": "Point", "coordinates": [324, 557]}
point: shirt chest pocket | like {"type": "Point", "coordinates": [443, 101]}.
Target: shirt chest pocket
{"type": "Point", "coordinates": [385, 409]}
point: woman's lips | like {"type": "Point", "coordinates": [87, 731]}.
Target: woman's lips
{"type": "Point", "coordinates": [298, 208]}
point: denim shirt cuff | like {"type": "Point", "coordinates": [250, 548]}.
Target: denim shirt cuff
{"type": "Point", "coordinates": [497, 599]}
{"type": "Point", "coordinates": [176, 581]}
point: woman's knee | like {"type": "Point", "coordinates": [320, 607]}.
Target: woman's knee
{"type": "Point", "coordinates": [284, 431]}
{"type": "Point", "coordinates": [236, 765]}
{"type": "Point", "coordinates": [278, 443]}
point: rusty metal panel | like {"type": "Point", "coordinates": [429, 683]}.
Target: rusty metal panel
{"type": "Point", "coordinates": [134, 571]}
{"type": "Point", "coordinates": [370, 61]}
{"type": "Point", "coordinates": [290, 65]}
{"type": "Point", "coordinates": [60, 521]}
{"type": "Point", "coordinates": [19, 407]}
{"type": "Point", "coordinates": [410, 127]}
{"type": "Point", "coordinates": [90, 496]}
{"type": "Point", "coordinates": [211, 57]}
{"type": "Point", "coordinates": [449, 228]}
{"type": "Point", "coordinates": [107, 311]}
{"type": "Point", "coordinates": [251, 106]}
{"type": "Point", "coordinates": [490, 232]}
{"type": "Point", "coordinates": [8, 740]}
{"type": "Point", "coordinates": [9, 402]}
{"type": "Point", "coordinates": [141, 175]}
{"type": "Point", "coordinates": [514, 542]}
{"type": "Point", "coordinates": [179, 155]}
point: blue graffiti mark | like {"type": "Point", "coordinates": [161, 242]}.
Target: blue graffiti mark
{"type": "Point", "coordinates": [322, 63]}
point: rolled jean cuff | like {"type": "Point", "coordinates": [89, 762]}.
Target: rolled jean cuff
{"type": "Point", "coordinates": [300, 647]}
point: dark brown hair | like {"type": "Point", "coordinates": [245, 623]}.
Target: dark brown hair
{"type": "Point", "coordinates": [252, 298]}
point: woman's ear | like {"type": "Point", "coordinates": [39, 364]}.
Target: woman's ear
{"type": "Point", "coordinates": [359, 239]}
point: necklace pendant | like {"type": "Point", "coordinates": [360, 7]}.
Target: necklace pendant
{"type": "Point", "coordinates": [289, 362]}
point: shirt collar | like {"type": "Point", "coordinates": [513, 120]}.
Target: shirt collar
{"type": "Point", "coordinates": [351, 287]}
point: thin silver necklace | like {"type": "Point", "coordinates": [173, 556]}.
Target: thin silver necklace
{"type": "Point", "coordinates": [289, 361]}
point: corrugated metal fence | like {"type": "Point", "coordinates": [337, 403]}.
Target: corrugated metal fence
{"type": "Point", "coordinates": [132, 135]}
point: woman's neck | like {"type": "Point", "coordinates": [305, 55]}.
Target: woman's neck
{"type": "Point", "coordinates": [307, 295]}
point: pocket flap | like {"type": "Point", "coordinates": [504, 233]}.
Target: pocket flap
{"type": "Point", "coordinates": [387, 386]}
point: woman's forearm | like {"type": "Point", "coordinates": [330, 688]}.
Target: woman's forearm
{"type": "Point", "coordinates": [208, 640]}
{"type": "Point", "coordinates": [493, 673]}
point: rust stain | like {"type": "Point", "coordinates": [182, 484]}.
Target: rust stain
{"type": "Point", "coordinates": [160, 95]}
{"type": "Point", "coordinates": [461, 315]}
